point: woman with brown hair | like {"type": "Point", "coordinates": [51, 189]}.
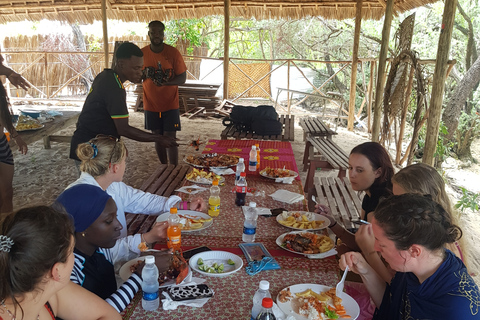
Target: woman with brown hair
{"type": "Point", "coordinates": [421, 179]}
{"type": "Point", "coordinates": [6, 157]}
{"type": "Point", "coordinates": [36, 260]}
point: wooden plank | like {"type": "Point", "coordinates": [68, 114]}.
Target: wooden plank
{"type": "Point", "coordinates": [321, 197]}
{"type": "Point", "coordinates": [146, 184]}
{"type": "Point", "coordinates": [330, 199]}
{"type": "Point", "coordinates": [172, 172]}
{"type": "Point", "coordinates": [291, 137]}
{"type": "Point", "coordinates": [325, 151]}
{"type": "Point", "coordinates": [343, 211]}
{"type": "Point", "coordinates": [347, 199]}
{"type": "Point", "coordinates": [153, 188]}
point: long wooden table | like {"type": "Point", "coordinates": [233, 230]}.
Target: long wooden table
{"type": "Point", "coordinates": [47, 133]}
{"type": "Point", "coordinates": [234, 293]}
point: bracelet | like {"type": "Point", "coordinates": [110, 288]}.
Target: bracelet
{"type": "Point", "coordinates": [185, 205]}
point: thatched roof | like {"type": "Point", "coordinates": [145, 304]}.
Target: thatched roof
{"type": "Point", "coordinates": [87, 11]}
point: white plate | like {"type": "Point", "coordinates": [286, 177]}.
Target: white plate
{"type": "Point", "coordinates": [279, 242]}
{"type": "Point", "coordinates": [211, 155]}
{"type": "Point", "coordinates": [293, 174]}
{"type": "Point", "coordinates": [164, 217]}
{"type": "Point", "coordinates": [318, 217]}
{"type": "Point", "coordinates": [207, 181]}
{"type": "Point", "coordinates": [125, 273]}
{"type": "Point", "coordinates": [210, 257]}
{"type": "Point", "coordinates": [351, 306]}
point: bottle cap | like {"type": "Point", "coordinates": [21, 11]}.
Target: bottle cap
{"type": "Point", "coordinates": [257, 145]}
{"type": "Point", "coordinates": [149, 259]}
{"type": "Point", "coordinates": [252, 204]}
{"type": "Point", "coordinates": [267, 302]}
{"type": "Point", "coordinates": [243, 174]}
{"type": "Point", "coordinates": [254, 148]}
{"type": "Point", "coordinates": [264, 285]}
{"type": "Point", "coordinates": [241, 160]}
{"type": "Point", "coordinates": [173, 210]}
{"type": "Point", "coordinates": [215, 182]}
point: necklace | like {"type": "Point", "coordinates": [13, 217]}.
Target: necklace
{"type": "Point", "coordinates": [9, 313]}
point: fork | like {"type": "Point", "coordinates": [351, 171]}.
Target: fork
{"type": "Point", "coordinates": [313, 199]}
{"type": "Point", "coordinates": [341, 284]}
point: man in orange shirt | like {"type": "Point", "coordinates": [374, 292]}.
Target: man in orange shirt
{"type": "Point", "coordinates": [165, 70]}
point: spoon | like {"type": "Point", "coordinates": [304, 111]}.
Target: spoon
{"type": "Point", "coordinates": [313, 199]}
{"type": "Point", "coordinates": [340, 285]}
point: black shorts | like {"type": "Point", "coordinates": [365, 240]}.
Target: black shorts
{"type": "Point", "coordinates": [6, 155]}
{"type": "Point", "coordinates": [163, 121]}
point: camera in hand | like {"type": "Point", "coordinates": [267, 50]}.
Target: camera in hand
{"type": "Point", "coordinates": [158, 76]}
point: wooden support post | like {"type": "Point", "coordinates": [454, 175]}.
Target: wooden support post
{"type": "Point", "coordinates": [226, 47]}
{"type": "Point", "coordinates": [370, 96]}
{"type": "Point", "coordinates": [438, 83]}
{"type": "Point", "coordinates": [353, 78]}
{"type": "Point", "coordinates": [377, 109]}
{"type": "Point", "coordinates": [105, 31]}
{"type": "Point", "coordinates": [288, 87]}
{"type": "Point", "coordinates": [46, 77]}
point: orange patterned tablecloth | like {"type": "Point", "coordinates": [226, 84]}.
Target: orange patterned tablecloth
{"type": "Point", "coordinates": [234, 293]}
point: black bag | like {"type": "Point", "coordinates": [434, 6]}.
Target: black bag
{"type": "Point", "coordinates": [262, 120]}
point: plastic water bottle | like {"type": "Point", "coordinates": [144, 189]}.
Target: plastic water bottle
{"type": "Point", "coordinates": [257, 146]}
{"type": "Point", "coordinates": [250, 223]}
{"type": "Point", "coordinates": [214, 200]}
{"type": "Point", "coordinates": [150, 299]}
{"type": "Point", "coordinates": [240, 169]}
{"type": "Point", "coordinates": [174, 233]}
{"type": "Point", "coordinates": [261, 293]}
{"type": "Point", "coordinates": [267, 312]}
{"type": "Point", "coordinates": [252, 162]}
{"type": "Point", "coordinates": [241, 190]}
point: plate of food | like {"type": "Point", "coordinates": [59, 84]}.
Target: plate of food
{"type": "Point", "coordinates": [27, 124]}
{"type": "Point", "coordinates": [315, 301]}
{"type": "Point", "coordinates": [215, 263]}
{"type": "Point", "coordinates": [274, 173]}
{"type": "Point", "coordinates": [305, 243]}
{"type": "Point", "coordinates": [212, 160]}
{"type": "Point", "coordinates": [303, 220]}
{"type": "Point", "coordinates": [166, 271]}
{"type": "Point", "coordinates": [203, 177]}
{"type": "Point", "coordinates": [190, 221]}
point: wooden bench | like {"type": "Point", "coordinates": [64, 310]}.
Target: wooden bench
{"type": "Point", "coordinates": [338, 195]}
{"type": "Point", "coordinates": [315, 127]}
{"type": "Point", "coordinates": [288, 132]}
{"type": "Point", "coordinates": [163, 182]}
{"type": "Point", "coordinates": [330, 156]}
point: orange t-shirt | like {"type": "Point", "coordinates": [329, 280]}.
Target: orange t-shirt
{"type": "Point", "coordinates": [162, 98]}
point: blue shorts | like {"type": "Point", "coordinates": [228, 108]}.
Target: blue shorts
{"type": "Point", "coordinates": [6, 155]}
{"type": "Point", "coordinates": [163, 121]}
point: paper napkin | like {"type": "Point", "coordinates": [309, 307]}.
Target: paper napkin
{"type": "Point", "coordinates": [323, 255]}
{"type": "Point", "coordinates": [286, 180]}
{"type": "Point", "coordinates": [169, 304]}
{"type": "Point", "coordinates": [193, 189]}
{"type": "Point", "coordinates": [222, 171]}
{"type": "Point", "coordinates": [287, 196]}
{"type": "Point", "coordinates": [260, 211]}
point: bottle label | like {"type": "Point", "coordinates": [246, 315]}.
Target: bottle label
{"type": "Point", "coordinates": [241, 189]}
{"type": "Point", "coordinates": [150, 296]}
{"type": "Point", "coordinates": [214, 207]}
{"type": "Point", "coordinates": [249, 230]}
{"type": "Point", "coordinates": [252, 163]}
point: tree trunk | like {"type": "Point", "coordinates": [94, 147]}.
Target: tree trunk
{"type": "Point", "coordinates": [79, 42]}
{"type": "Point", "coordinates": [454, 107]}
{"type": "Point", "coordinates": [338, 84]}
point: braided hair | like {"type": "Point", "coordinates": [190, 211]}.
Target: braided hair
{"type": "Point", "coordinates": [415, 219]}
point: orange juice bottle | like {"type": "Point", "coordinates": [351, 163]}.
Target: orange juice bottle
{"type": "Point", "coordinates": [174, 233]}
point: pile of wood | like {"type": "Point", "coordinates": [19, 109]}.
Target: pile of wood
{"type": "Point", "coordinates": [198, 99]}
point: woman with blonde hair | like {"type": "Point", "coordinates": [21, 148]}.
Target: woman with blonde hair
{"type": "Point", "coordinates": [103, 165]}
{"type": "Point", "coordinates": [418, 178]}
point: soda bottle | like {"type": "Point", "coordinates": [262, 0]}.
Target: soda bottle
{"type": "Point", "coordinates": [257, 146]}
{"type": "Point", "coordinates": [261, 293]}
{"type": "Point", "coordinates": [241, 189]}
{"type": "Point", "coordinates": [252, 162]}
{"type": "Point", "coordinates": [174, 233]}
{"type": "Point", "coordinates": [267, 312]}
{"type": "Point", "coordinates": [250, 223]}
{"type": "Point", "coordinates": [150, 299]}
{"type": "Point", "coordinates": [214, 200]}
{"type": "Point", "coordinates": [240, 169]}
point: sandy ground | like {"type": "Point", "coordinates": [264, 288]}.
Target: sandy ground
{"type": "Point", "coordinates": [42, 174]}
